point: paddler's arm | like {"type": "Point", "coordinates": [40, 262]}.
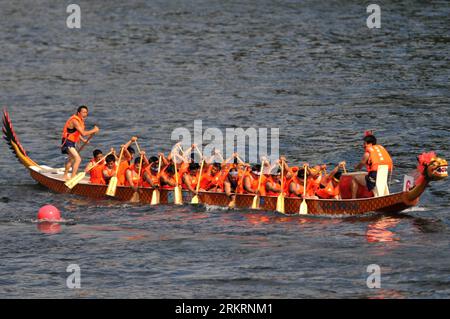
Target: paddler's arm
{"type": "Point", "coordinates": [227, 186]}
{"type": "Point", "coordinates": [78, 127]}
{"type": "Point", "coordinates": [167, 180]}
{"type": "Point", "coordinates": [271, 188]}
{"type": "Point", "coordinates": [335, 170]}
{"type": "Point", "coordinates": [130, 180]}
{"type": "Point", "coordinates": [247, 186]}
{"type": "Point", "coordinates": [84, 140]}
{"type": "Point", "coordinates": [187, 181]}
{"type": "Point", "coordinates": [148, 179]}
{"type": "Point", "coordinates": [165, 161]}
{"type": "Point", "coordinates": [363, 161]}
{"type": "Point", "coordinates": [105, 174]}
{"type": "Point", "coordinates": [145, 162]}
{"type": "Point", "coordinates": [88, 166]}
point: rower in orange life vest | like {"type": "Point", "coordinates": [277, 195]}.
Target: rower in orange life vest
{"type": "Point", "coordinates": [273, 183]}
{"type": "Point", "coordinates": [213, 178]}
{"type": "Point", "coordinates": [231, 183]}
{"type": "Point", "coordinates": [374, 156]}
{"type": "Point", "coordinates": [109, 169]}
{"type": "Point", "coordinates": [167, 177]}
{"type": "Point", "coordinates": [251, 182]}
{"type": "Point", "coordinates": [329, 189]}
{"type": "Point", "coordinates": [73, 132]}
{"type": "Point", "coordinates": [191, 178]}
{"type": "Point", "coordinates": [295, 182]}
{"type": "Point", "coordinates": [96, 173]}
{"type": "Point", "coordinates": [133, 178]}
{"type": "Point", "coordinates": [125, 163]}
{"type": "Point", "coordinates": [151, 176]}
{"type": "Point", "coordinates": [314, 180]}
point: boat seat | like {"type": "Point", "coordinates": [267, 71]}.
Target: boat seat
{"type": "Point", "coordinates": [381, 188]}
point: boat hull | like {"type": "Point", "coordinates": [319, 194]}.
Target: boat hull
{"type": "Point", "coordinates": [391, 203]}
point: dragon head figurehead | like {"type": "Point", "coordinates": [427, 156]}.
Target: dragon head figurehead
{"type": "Point", "coordinates": [431, 167]}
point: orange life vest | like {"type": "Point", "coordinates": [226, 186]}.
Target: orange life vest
{"type": "Point", "coordinates": [254, 184]}
{"type": "Point", "coordinates": [194, 180]}
{"type": "Point", "coordinates": [294, 180]}
{"type": "Point", "coordinates": [154, 178]}
{"type": "Point", "coordinates": [96, 174]}
{"type": "Point", "coordinates": [330, 191]}
{"type": "Point", "coordinates": [123, 166]}
{"type": "Point", "coordinates": [377, 156]}
{"type": "Point", "coordinates": [214, 181]}
{"type": "Point", "coordinates": [74, 136]}
{"type": "Point", "coordinates": [312, 185]}
{"type": "Point", "coordinates": [136, 179]}
{"type": "Point", "coordinates": [240, 185]}
{"type": "Point", "coordinates": [277, 186]}
{"type": "Point", "coordinates": [166, 176]}
{"type": "Point", "coordinates": [109, 172]}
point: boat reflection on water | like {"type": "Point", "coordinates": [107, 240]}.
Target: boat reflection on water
{"type": "Point", "coordinates": [381, 230]}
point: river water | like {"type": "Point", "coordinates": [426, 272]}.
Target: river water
{"type": "Point", "coordinates": [311, 69]}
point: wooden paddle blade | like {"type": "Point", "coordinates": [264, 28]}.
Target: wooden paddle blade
{"type": "Point", "coordinates": [111, 191]}
{"type": "Point", "coordinates": [303, 208]}
{"type": "Point", "coordinates": [178, 198]}
{"type": "Point", "coordinates": [255, 204]}
{"type": "Point", "coordinates": [280, 204]}
{"type": "Point", "coordinates": [135, 198]}
{"type": "Point", "coordinates": [155, 197]}
{"type": "Point", "coordinates": [71, 183]}
{"type": "Point", "coordinates": [232, 204]}
{"type": "Point", "coordinates": [195, 200]}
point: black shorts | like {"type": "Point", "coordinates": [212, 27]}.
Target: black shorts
{"type": "Point", "coordinates": [65, 146]}
{"type": "Point", "coordinates": [371, 180]}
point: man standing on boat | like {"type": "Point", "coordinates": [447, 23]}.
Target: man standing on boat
{"type": "Point", "coordinates": [374, 156]}
{"type": "Point", "coordinates": [73, 132]}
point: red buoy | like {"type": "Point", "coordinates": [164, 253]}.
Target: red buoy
{"type": "Point", "coordinates": [49, 213]}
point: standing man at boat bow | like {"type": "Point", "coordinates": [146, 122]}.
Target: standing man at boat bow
{"type": "Point", "coordinates": [374, 156]}
{"type": "Point", "coordinates": [73, 132]}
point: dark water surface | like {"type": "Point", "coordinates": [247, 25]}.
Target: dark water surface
{"type": "Point", "coordinates": [314, 70]}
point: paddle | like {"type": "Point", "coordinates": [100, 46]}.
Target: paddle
{"type": "Point", "coordinates": [85, 143]}
{"type": "Point", "coordinates": [137, 146]}
{"type": "Point", "coordinates": [178, 196]}
{"type": "Point", "coordinates": [256, 202]}
{"type": "Point", "coordinates": [111, 190]}
{"type": "Point", "coordinates": [155, 193]}
{"type": "Point", "coordinates": [136, 198]}
{"type": "Point", "coordinates": [280, 198]}
{"type": "Point", "coordinates": [303, 206]}
{"type": "Point", "coordinates": [195, 198]}
{"type": "Point", "coordinates": [232, 203]}
{"type": "Point", "coordinates": [71, 183]}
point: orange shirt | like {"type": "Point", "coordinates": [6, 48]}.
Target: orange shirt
{"type": "Point", "coordinates": [96, 174]}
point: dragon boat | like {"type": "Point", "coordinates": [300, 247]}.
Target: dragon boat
{"type": "Point", "coordinates": [430, 167]}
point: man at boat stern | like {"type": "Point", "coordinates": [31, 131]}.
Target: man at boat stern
{"type": "Point", "coordinates": [374, 156]}
{"type": "Point", "coordinates": [73, 132]}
